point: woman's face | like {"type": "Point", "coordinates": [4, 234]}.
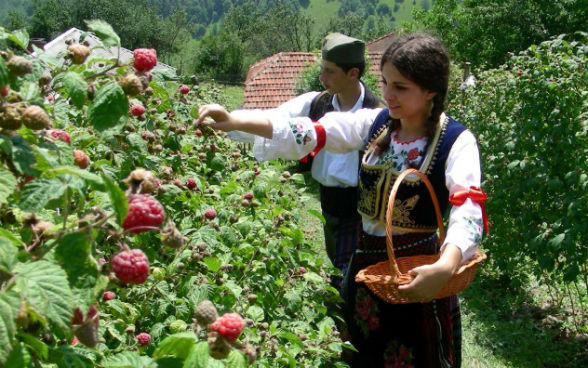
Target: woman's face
{"type": "Point", "coordinates": [406, 100]}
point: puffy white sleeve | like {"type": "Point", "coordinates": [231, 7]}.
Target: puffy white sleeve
{"type": "Point", "coordinates": [462, 171]}
{"type": "Point", "coordinates": [294, 138]}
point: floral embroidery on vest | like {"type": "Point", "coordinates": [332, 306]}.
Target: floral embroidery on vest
{"type": "Point", "coordinates": [366, 312]}
{"type": "Point", "coordinates": [397, 356]}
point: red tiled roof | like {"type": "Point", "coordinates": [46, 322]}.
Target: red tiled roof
{"type": "Point", "coordinates": [271, 81]}
{"type": "Point", "coordinates": [380, 44]}
{"type": "Point", "coordinates": [375, 58]}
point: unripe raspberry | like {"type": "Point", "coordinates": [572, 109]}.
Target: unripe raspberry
{"type": "Point", "coordinates": [210, 213]}
{"type": "Point", "coordinates": [145, 59]}
{"type": "Point", "coordinates": [45, 78]}
{"type": "Point", "coordinates": [60, 134]}
{"type": "Point", "coordinates": [79, 53]}
{"type": "Point", "coordinates": [137, 110]}
{"type": "Point", "coordinates": [145, 79]}
{"type": "Point", "coordinates": [131, 266]}
{"type": "Point", "coordinates": [131, 84]}
{"type": "Point", "coordinates": [218, 348]}
{"type": "Point", "coordinates": [81, 159]}
{"type": "Point", "coordinates": [205, 313]}
{"type": "Point", "coordinates": [191, 183]}
{"type": "Point", "coordinates": [229, 326]}
{"type": "Point", "coordinates": [144, 211]}
{"type": "Point", "coordinates": [108, 295]}
{"type": "Point", "coordinates": [171, 236]}
{"type": "Point", "coordinates": [86, 329]}
{"type": "Point", "coordinates": [184, 89]}
{"type": "Point", "coordinates": [11, 116]}
{"type": "Point", "coordinates": [19, 66]}
{"type": "Point", "coordinates": [198, 132]}
{"type": "Point", "coordinates": [141, 181]}
{"type": "Point", "coordinates": [143, 338]}
{"type": "Point", "coordinates": [178, 326]}
{"type": "Point", "coordinates": [35, 118]}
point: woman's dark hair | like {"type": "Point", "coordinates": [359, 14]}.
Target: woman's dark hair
{"type": "Point", "coordinates": [422, 59]}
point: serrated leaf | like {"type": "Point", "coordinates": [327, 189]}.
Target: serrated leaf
{"type": "Point", "coordinates": [179, 345]}
{"type": "Point", "coordinates": [557, 240]}
{"type": "Point", "coordinates": [198, 358]}
{"type": "Point", "coordinates": [117, 198]}
{"type": "Point", "coordinates": [23, 156]}
{"type": "Point", "coordinates": [66, 356]}
{"type": "Point", "coordinates": [4, 77]}
{"type": "Point", "coordinates": [76, 87]}
{"type": "Point", "coordinates": [236, 359]}
{"type": "Point", "coordinates": [37, 346]}
{"type": "Point", "coordinates": [73, 254]}
{"type": "Point", "coordinates": [217, 163]}
{"type": "Point", "coordinates": [8, 253]}
{"type": "Point", "coordinates": [108, 106]}
{"type": "Point", "coordinates": [7, 184]}
{"type": "Point", "coordinates": [37, 193]}
{"type": "Point", "coordinates": [94, 180]}
{"type": "Point", "coordinates": [256, 313]}
{"type": "Point", "coordinates": [104, 31]}
{"type": "Point", "coordinates": [44, 285]}
{"type": "Point", "coordinates": [20, 37]}
{"type": "Point", "coordinates": [318, 215]}
{"type": "Point", "coordinates": [212, 263]}
{"type": "Point", "coordinates": [128, 359]}
{"type": "Point", "coordinates": [19, 357]}
{"type": "Point", "coordinates": [9, 304]}
{"type": "Point", "coordinates": [31, 93]}
{"type": "Point", "coordinates": [298, 178]}
{"type": "Point", "coordinates": [13, 239]}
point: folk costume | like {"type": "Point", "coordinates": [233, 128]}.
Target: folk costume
{"type": "Point", "coordinates": [335, 172]}
{"type": "Point", "coordinates": [416, 334]}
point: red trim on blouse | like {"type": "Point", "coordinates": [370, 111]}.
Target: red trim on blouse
{"type": "Point", "coordinates": [406, 142]}
{"type": "Point", "coordinates": [321, 139]}
{"type": "Point", "coordinates": [475, 194]}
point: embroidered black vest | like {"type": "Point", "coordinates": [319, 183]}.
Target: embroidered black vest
{"type": "Point", "coordinates": [413, 209]}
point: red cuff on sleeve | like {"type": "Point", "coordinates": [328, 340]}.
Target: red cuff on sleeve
{"type": "Point", "coordinates": [476, 195]}
{"type": "Point", "coordinates": [321, 139]}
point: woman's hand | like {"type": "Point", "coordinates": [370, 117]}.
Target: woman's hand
{"type": "Point", "coordinates": [430, 279]}
{"type": "Point", "coordinates": [222, 119]}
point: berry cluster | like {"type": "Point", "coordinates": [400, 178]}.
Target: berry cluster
{"type": "Point", "coordinates": [144, 212]}
{"type": "Point", "coordinates": [131, 266]}
{"type": "Point", "coordinates": [145, 59]}
{"type": "Point", "coordinates": [229, 326]}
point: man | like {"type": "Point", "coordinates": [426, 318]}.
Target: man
{"type": "Point", "coordinates": [342, 66]}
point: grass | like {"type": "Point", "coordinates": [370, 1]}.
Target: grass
{"type": "Point", "coordinates": [234, 95]}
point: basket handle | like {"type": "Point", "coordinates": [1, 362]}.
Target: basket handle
{"type": "Point", "coordinates": [401, 278]}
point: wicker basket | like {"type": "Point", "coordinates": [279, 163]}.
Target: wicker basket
{"type": "Point", "coordinates": [384, 277]}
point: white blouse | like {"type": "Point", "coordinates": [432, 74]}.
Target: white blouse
{"type": "Point", "coordinates": [294, 138]}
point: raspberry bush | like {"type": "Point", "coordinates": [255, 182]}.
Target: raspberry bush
{"type": "Point", "coordinates": [109, 251]}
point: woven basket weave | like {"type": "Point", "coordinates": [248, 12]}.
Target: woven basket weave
{"type": "Point", "coordinates": [384, 277]}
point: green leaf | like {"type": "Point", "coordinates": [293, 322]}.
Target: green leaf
{"type": "Point", "coordinates": [20, 37]}
{"type": "Point", "coordinates": [37, 193]}
{"type": "Point", "coordinates": [23, 156]}
{"type": "Point", "coordinates": [236, 359]}
{"type": "Point", "coordinates": [109, 105]}
{"type": "Point", "coordinates": [7, 184]}
{"type": "Point", "coordinates": [73, 254]}
{"type": "Point", "coordinates": [217, 162]}
{"type": "Point", "coordinates": [556, 241]}
{"type": "Point", "coordinates": [37, 346]}
{"type": "Point", "coordinates": [76, 87]}
{"type": "Point", "coordinates": [44, 285]}
{"type": "Point", "coordinates": [8, 254]}
{"type": "Point", "coordinates": [213, 263]}
{"type": "Point", "coordinates": [4, 76]}
{"type": "Point", "coordinates": [31, 93]}
{"type": "Point", "coordinates": [19, 357]}
{"type": "Point", "coordinates": [318, 215]}
{"type": "Point", "coordinates": [179, 345]}
{"type": "Point", "coordinates": [128, 359]}
{"type": "Point", "coordinates": [298, 178]}
{"type": "Point", "coordinates": [117, 198]}
{"type": "Point", "coordinates": [94, 180]}
{"type": "Point", "coordinates": [255, 313]}
{"type": "Point", "coordinates": [13, 239]}
{"type": "Point", "coordinates": [104, 31]}
{"type": "Point", "coordinates": [9, 304]}
{"type": "Point", "coordinates": [198, 358]}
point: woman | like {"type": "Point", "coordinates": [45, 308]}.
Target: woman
{"type": "Point", "coordinates": [412, 132]}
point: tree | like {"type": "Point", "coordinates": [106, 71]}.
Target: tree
{"type": "Point", "coordinates": [16, 20]}
{"type": "Point", "coordinates": [350, 24]}
{"type": "Point", "coordinates": [383, 9]}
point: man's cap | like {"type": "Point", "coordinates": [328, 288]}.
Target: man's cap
{"type": "Point", "coordinates": [341, 49]}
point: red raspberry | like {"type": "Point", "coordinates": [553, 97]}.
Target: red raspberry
{"type": "Point", "coordinates": [210, 213]}
{"type": "Point", "coordinates": [191, 183]}
{"type": "Point", "coordinates": [145, 59]}
{"type": "Point", "coordinates": [248, 196]}
{"type": "Point", "coordinates": [143, 338]}
{"type": "Point", "coordinates": [144, 210]}
{"type": "Point", "coordinates": [108, 295]}
{"type": "Point", "coordinates": [81, 159]}
{"type": "Point", "coordinates": [60, 134]}
{"type": "Point", "coordinates": [302, 270]}
{"type": "Point", "coordinates": [212, 147]}
{"type": "Point", "coordinates": [131, 266]}
{"type": "Point", "coordinates": [137, 110]}
{"type": "Point", "coordinates": [198, 132]}
{"type": "Point", "coordinates": [5, 90]}
{"type": "Point", "coordinates": [184, 89]}
{"type": "Point", "coordinates": [228, 326]}
{"type": "Point", "coordinates": [50, 98]}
